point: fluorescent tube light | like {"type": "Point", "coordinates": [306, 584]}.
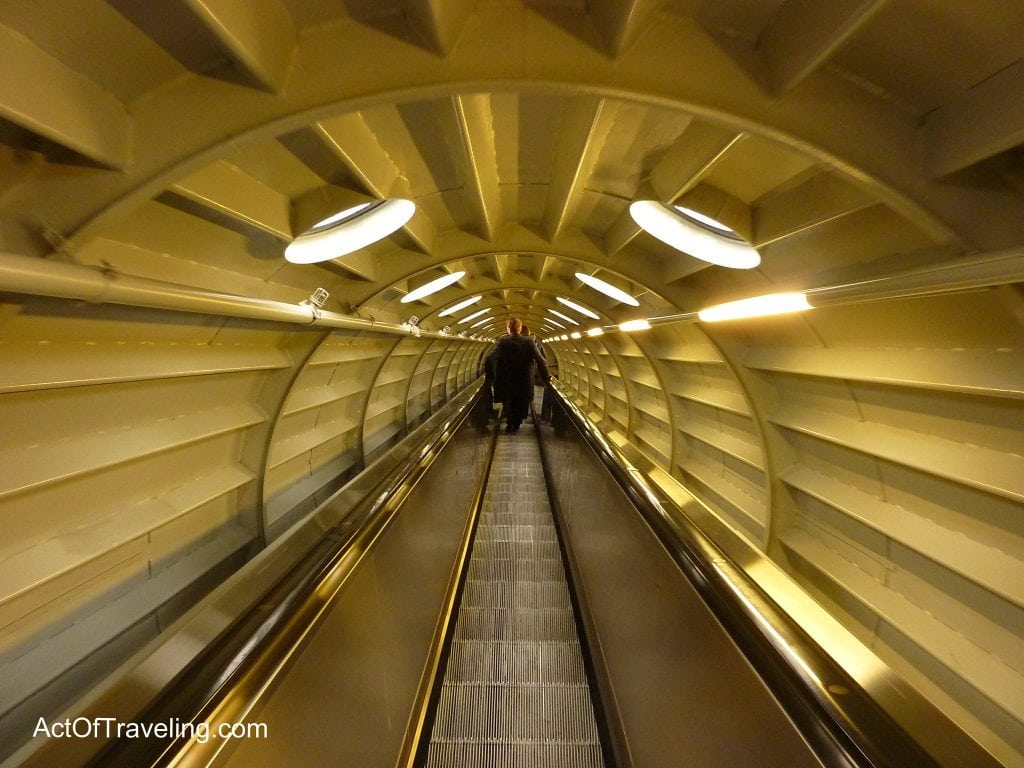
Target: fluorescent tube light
{"type": "Point", "coordinates": [433, 287]}
{"type": "Point", "coordinates": [578, 308]}
{"type": "Point", "coordinates": [607, 289]}
{"type": "Point", "coordinates": [595, 332]}
{"type": "Point", "coordinates": [634, 325]}
{"type": "Point", "coordinates": [461, 305]}
{"type": "Point", "coordinates": [475, 315]}
{"type": "Point", "coordinates": [758, 306]}
{"type": "Point", "coordinates": [567, 319]}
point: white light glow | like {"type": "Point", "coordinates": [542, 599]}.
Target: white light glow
{"type": "Point", "coordinates": [433, 287]}
{"type": "Point", "coordinates": [607, 289]}
{"type": "Point", "coordinates": [578, 308]}
{"type": "Point", "coordinates": [554, 322]}
{"type": "Point", "coordinates": [595, 332]}
{"type": "Point", "coordinates": [349, 230]}
{"type": "Point", "coordinates": [576, 335]}
{"type": "Point", "coordinates": [634, 325]}
{"type": "Point", "coordinates": [478, 323]}
{"type": "Point", "coordinates": [461, 305]}
{"type": "Point", "coordinates": [475, 315]}
{"type": "Point", "coordinates": [707, 221]}
{"type": "Point", "coordinates": [567, 319]}
{"type": "Point", "coordinates": [668, 225]}
{"type": "Point", "coordinates": [758, 306]}
{"type": "Point", "coordinates": [564, 337]}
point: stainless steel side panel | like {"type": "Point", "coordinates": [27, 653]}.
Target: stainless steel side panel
{"type": "Point", "coordinates": [685, 694]}
{"type": "Point", "coordinates": [347, 697]}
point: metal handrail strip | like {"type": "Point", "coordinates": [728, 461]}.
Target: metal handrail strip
{"type": "Point", "coordinates": [840, 720]}
{"type": "Point", "coordinates": [267, 648]}
{"type": "Point", "coordinates": [415, 740]}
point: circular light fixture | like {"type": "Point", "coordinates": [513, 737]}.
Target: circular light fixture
{"type": "Point", "coordinates": [349, 230]}
{"type": "Point", "coordinates": [697, 234]}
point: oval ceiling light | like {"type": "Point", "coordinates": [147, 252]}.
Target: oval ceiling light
{"type": "Point", "coordinates": [565, 317]}
{"type": "Point", "coordinates": [607, 289]}
{"type": "Point", "coordinates": [694, 233]}
{"type": "Point", "coordinates": [475, 315]}
{"type": "Point", "coordinates": [758, 306]}
{"type": "Point", "coordinates": [349, 230]}
{"type": "Point", "coordinates": [582, 310]}
{"type": "Point", "coordinates": [595, 332]}
{"type": "Point", "coordinates": [433, 286]}
{"type": "Point", "coordinates": [461, 305]}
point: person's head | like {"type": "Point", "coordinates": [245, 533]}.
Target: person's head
{"type": "Point", "coordinates": [515, 326]}
{"type": "Point", "coordinates": [524, 331]}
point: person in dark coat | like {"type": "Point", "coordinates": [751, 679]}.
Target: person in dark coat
{"type": "Point", "coordinates": [511, 365]}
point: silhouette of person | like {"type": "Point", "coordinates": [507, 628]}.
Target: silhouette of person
{"type": "Point", "coordinates": [511, 363]}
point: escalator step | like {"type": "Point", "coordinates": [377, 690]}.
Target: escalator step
{"type": "Point", "coordinates": [515, 689]}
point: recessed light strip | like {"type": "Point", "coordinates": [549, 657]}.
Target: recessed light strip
{"type": "Point", "coordinates": [461, 305]}
{"type": "Point", "coordinates": [475, 315]}
{"type": "Point", "coordinates": [433, 287]}
{"type": "Point", "coordinates": [757, 306]}
{"type": "Point", "coordinates": [565, 317]}
{"type": "Point", "coordinates": [582, 310]}
{"type": "Point", "coordinates": [607, 289]}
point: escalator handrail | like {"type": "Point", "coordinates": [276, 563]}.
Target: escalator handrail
{"type": "Point", "coordinates": [278, 624]}
{"type": "Point", "coordinates": [840, 720]}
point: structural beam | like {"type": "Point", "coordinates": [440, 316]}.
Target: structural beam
{"type": "Point", "coordinates": [353, 141]}
{"type": "Point", "coordinates": [440, 22]}
{"type": "Point", "coordinates": [820, 199]}
{"type": "Point", "coordinates": [804, 34]}
{"type": "Point", "coordinates": [587, 124]}
{"type": "Point", "coordinates": [473, 130]}
{"type": "Point", "coordinates": [687, 161]}
{"type": "Point", "coordinates": [620, 21]}
{"type": "Point", "coordinates": [987, 120]}
{"type": "Point", "coordinates": [258, 35]}
{"type": "Point", "coordinates": [47, 98]}
{"type": "Point", "coordinates": [225, 189]}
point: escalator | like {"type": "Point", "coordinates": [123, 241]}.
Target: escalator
{"type": "Point", "coordinates": [509, 600]}
{"type": "Point", "coordinates": [515, 689]}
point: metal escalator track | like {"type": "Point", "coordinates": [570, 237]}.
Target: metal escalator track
{"type": "Point", "coordinates": [515, 689]}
